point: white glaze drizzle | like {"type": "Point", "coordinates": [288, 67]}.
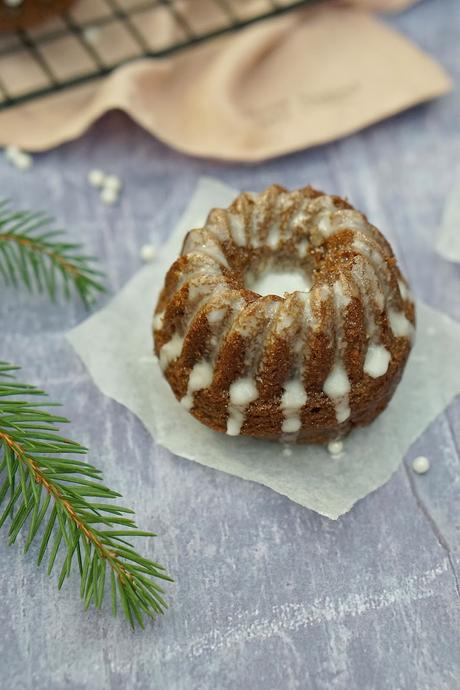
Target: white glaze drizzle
{"type": "Point", "coordinates": [237, 229]}
{"type": "Point", "coordinates": [377, 361]}
{"type": "Point", "coordinates": [293, 399]}
{"type": "Point", "coordinates": [202, 243]}
{"type": "Point", "coordinates": [337, 387]}
{"type": "Point", "coordinates": [200, 377]}
{"type": "Point", "coordinates": [241, 393]}
{"type": "Point", "coordinates": [158, 321]}
{"type": "Point", "coordinates": [205, 267]}
{"type": "Point", "coordinates": [405, 292]}
{"type": "Point", "coordinates": [294, 395]}
{"type": "Point", "coordinates": [216, 315]}
{"type": "Point", "coordinates": [171, 351]}
{"type": "Point", "coordinates": [273, 237]}
{"type": "Point", "coordinates": [400, 325]}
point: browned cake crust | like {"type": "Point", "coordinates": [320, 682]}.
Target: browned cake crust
{"type": "Point", "coordinates": [305, 367]}
{"type": "Point", "coordinates": [29, 12]}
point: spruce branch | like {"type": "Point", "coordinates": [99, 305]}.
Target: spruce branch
{"type": "Point", "coordinates": [41, 258]}
{"type": "Point", "coordinates": [44, 485]}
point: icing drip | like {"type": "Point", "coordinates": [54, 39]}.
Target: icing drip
{"type": "Point", "coordinates": [324, 225]}
{"type": "Point", "coordinates": [216, 315]}
{"type": "Point", "coordinates": [198, 242]}
{"type": "Point", "coordinates": [341, 299]}
{"type": "Point", "coordinates": [171, 350]}
{"type": "Point", "coordinates": [302, 248]}
{"type": "Point", "coordinates": [242, 392]}
{"type": "Point", "coordinates": [377, 272]}
{"type": "Point", "coordinates": [400, 324]}
{"type": "Point", "coordinates": [377, 361]}
{"type": "Point", "coordinates": [293, 399]}
{"type": "Point", "coordinates": [404, 290]}
{"type": "Point", "coordinates": [257, 220]}
{"type": "Point", "coordinates": [158, 321]}
{"type": "Point", "coordinates": [200, 377]}
{"type": "Point", "coordinates": [237, 230]}
{"type": "Point", "coordinates": [273, 236]}
{"type": "Point", "coordinates": [198, 266]}
{"type": "Point", "coordinates": [366, 282]}
{"type": "Point", "coordinates": [347, 219]}
{"type": "Point", "coordinates": [337, 387]}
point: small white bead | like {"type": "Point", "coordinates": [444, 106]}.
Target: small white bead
{"type": "Point", "coordinates": [109, 196]}
{"type": "Point", "coordinates": [113, 182]}
{"type": "Point", "coordinates": [13, 3]}
{"type": "Point", "coordinates": [421, 464]}
{"type": "Point", "coordinates": [148, 253]}
{"type": "Point", "coordinates": [96, 178]}
{"type": "Point", "coordinates": [91, 34]}
{"type": "Point", "coordinates": [11, 153]}
{"type": "Point", "coordinates": [23, 161]}
{"type": "Point", "coordinates": [335, 447]}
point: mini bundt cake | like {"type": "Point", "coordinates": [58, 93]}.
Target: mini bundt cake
{"type": "Point", "coordinates": [20, 14]}
{"type": "Point", "coordinates": [307, 366]}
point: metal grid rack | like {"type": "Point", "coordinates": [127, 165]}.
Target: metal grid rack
{"type": "Point", "coordinates": [96, 36]}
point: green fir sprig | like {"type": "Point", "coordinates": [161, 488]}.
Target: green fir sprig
{"type": "Point", "coordinates": [42, 259]}
{"type": "Point", "coordinates": [54, 498]}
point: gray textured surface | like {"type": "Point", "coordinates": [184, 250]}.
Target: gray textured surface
{"type": "Point", "coordinates": [268, 594]}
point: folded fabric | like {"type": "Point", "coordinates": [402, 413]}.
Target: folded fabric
{"type": "Point", "coordinates": [277, 86]}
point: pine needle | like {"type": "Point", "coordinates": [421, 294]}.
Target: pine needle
{"type": "Point", "coordinates": [42, 259]}
{"type": "Point", "coordinates": [59, 501]}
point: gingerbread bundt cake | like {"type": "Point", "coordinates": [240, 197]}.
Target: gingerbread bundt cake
{"type": "Point", "coordinates": [307, 366]}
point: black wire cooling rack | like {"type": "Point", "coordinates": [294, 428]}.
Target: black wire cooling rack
{"type": "Point", "coordinates": [96, 36]}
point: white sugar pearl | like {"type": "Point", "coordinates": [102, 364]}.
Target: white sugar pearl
{"type": "Point", "coordinates": [109, 196]}
{"type": "Point", "coordinates": [113, 182]}
{"type": "Point", "coordinates": [421, 464]}
{"type": "Point", "coordinates": [22, 161]}
{"type": "Point", "coordinates": [335, 447]}
{"type": "Point", "coordinates": [13, 3]}
{"type": "Point", "coordinates": [11, 152]}
{"type": "Point", "coordinates": [96, 178]}
{"type": "Point", "coordinates": [148, 253]}
{"type": "Point", "coordinates": [91, 34]}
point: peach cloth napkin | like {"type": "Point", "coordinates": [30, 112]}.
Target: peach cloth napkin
{"type": "Point", "coordinates": [281, 85]}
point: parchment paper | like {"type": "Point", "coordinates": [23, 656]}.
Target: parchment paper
{"type": "Point", "coordinates": [277, 86]}
{"type": "Point", "coordinates": [116, 346]}
{"type": "Point", "coordinates": [448, 238]}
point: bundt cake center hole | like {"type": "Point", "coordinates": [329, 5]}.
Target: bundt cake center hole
{"type": "Point", "coordinates": [276, 280]}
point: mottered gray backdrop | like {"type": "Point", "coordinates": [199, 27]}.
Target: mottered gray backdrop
{"type": "Point", "coordinates": [268, 595]}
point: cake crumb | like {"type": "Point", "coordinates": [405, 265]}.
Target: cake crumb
{"type": "Point", "coordinates": [335, 448]}
{"type": "Point", "coordinates": [421, 464]}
